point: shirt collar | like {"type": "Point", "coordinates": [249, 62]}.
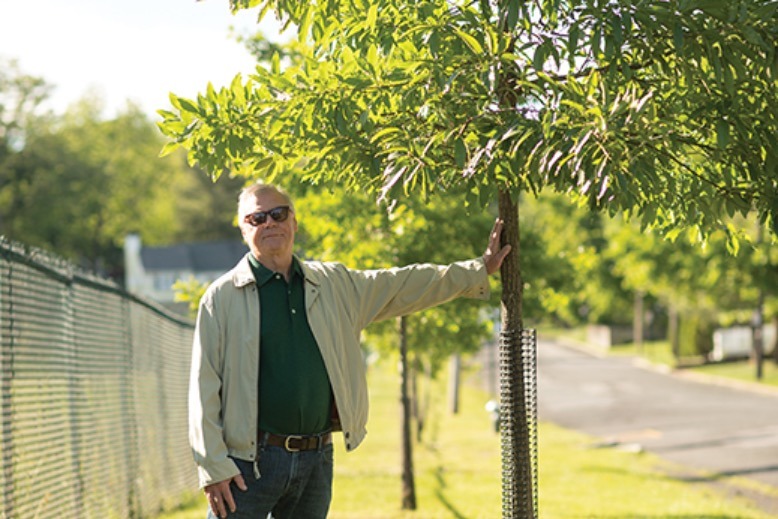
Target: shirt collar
{"type": "Point", "coordinates": [264, 274]}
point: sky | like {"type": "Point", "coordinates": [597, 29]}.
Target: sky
{"type": "Point", "coordinates": [127, 50]}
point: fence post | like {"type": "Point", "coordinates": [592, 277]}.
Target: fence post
{"type": "Point", "coordinates": [74, 397]}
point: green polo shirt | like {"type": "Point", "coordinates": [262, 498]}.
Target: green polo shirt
{"type": "Point", "coordinates": [294, 390]}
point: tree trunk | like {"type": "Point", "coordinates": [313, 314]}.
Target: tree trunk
{"type": "Point", "coordinates": [757, 330]}
{"type": "Point", "coordinates": [757, 333]}
{"type": "Point", "coordinates": [413, 390]}
{"type": "Point", "coordinates": [518, 499]}
{"type": "Point", "coordinates": [637, 322]}
{"type": "Point", "coordinates": [453, 383]}
{"type": "Point", "coordinates": [424, 402]}
{"type": "Point", "coordinates": [775, 340]}
{"type": "Point", "coordinates": [673, 331]}
{"type": "Point", "coordinates": [408, 485]}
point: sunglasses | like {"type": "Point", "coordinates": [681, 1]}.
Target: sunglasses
{"type": "Point", "coordinates": [278, 214]}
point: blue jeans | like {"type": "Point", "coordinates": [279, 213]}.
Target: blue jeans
{"type": "Point", "coordinates": [293, 485]}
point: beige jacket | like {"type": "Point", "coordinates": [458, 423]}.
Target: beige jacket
{"type": "Point", "coordinates": [340, 303]}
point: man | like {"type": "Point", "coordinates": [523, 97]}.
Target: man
{"type": "Point", "coordinates": [276, 361]}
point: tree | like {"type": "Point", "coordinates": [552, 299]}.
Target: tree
{"type": "Point", "coordinates": [21, 96]}
{"type": "Point", "coordinates": [351, 228]}
{"type": "Point", "coordinates": [79, 184]}
{"type": "Point", "coordinates": [663, 110]}
{"type": "Point", "coordinates": [76, 183]}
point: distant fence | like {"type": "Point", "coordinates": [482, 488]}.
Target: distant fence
{"type": "Point", "coordinates": [93, 396]}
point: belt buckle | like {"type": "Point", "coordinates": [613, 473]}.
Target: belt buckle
{"type": "Point", "coordinates": [288, 447]}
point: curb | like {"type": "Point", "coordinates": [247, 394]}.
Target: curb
{"type": "Point", "coordinates": [741, 385]}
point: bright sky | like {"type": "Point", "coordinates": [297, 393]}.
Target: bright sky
{"type": "Point", "coordinates": [124, 50]}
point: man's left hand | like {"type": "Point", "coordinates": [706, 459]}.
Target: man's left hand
{"type": "Point", "coordinates": [494, 255]}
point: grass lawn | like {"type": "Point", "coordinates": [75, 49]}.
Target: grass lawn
{"type": "Point", "coordinates": [744, 370]}
{"type": "Point", "coordinates": [457, 469]}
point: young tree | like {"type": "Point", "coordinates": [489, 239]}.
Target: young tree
{"type": "Point", "coordinates": [664, 110]}
{"type": "Point", "coordinates": [349, 227]}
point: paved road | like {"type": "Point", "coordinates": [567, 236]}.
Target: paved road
{"type": "Point", "coordinates": [701, 426]}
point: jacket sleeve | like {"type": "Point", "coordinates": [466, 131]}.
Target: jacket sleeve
{"type": "Point", "coordinates": [205, 388]}
{"type": "Point", "coordinates": [387, 293]}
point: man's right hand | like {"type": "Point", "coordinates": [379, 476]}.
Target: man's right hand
{"type": "Point", "coordinates": [219, 495]}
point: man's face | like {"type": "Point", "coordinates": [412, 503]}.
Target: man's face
{"type": "Point", "coordinates": [272, 238]}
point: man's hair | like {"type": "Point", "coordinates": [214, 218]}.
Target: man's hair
{"type": "Point", "coordinates": [252, 192]}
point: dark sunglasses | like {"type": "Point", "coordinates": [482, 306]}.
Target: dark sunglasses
{"type": "Point", "coordinates": [279, 214]}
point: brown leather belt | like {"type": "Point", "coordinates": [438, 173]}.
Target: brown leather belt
{"type": "Point", "coordinates": [296, 443]}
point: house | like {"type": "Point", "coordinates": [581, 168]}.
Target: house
{"type": "Point", "coordinates": [150, 272]}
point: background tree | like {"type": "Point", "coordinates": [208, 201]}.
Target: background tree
{"type": "Point", "coordinates": [663, 110]}
{"type": "Point", "coordinates": [20, 98]}
{"type": "Point", "coordinates": [77, 184]}
{"type": "Point", "coordinates": [351, 228]}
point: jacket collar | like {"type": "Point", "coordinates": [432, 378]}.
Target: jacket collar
{"type": "Point", "coordinates": [311, 275]}
{"type": "Point", "coordinates": [242, 274]}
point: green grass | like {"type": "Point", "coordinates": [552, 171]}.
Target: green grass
{"type": "Point", "coordinates": [457, 469]}
{"type": "Point", "coordinates": [745, 371]}
{"type": "Point", "coordinates": [659, 352]}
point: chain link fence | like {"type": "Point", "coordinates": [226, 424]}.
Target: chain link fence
{"type": "Point", "coordinates": [92, 397]}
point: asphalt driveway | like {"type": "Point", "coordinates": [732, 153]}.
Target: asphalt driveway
{"type": "Point", "coordinates": [713, 428]}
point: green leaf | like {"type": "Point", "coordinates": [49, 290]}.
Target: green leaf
{"type": "Point", "coordinates": [470, 41]}
{"type": "Point", "coordinates": [460, 153]}
{"type": "Point", "coordinates": [372, 16]}
{"type": "Point", "coordinates": [434, 43]}
{"type": "Point", "coordinates": [541, 54]}
{"type": "Point", "coordinates": [513, 16]}
{"type": "Point", "coordinates": [722, 133]}
{"type": "Point", "coordinates": [169, 148]}
{"type": "Point", "coordinates": [189, 106]}
{"type": "Point", "coordinates": [678, 37]}
{"type": "Point", "coordinates": [572, 41]}
{"type": "Point", "coordinates": [377, 136]}
{"type": "Point", "coordinates": [372, 58]}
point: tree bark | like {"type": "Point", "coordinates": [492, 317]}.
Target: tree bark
{"type": "Point", "coordinates": [673, 331]}
{"type": "Point", "coordinates": [775, 340]}
{"type": "Point", "coordinates": [408, 484]}
{"type": "Point", "coordinates": [518, 499]}
{"type": "Point", "coordinates": [757, 334]}
{"type": "Point", "coordinates": [453, 383]}
{"type": "Point", "coordinates": [512, 285]}
{"type": "Point", "coordinates": [637, 323]}
{"type": "Point", "coordinates": [757, 329]}
{"type": "Point", "coordinates": [413, 381]}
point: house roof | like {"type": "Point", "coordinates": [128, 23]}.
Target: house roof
{"type": "Point", "coordinates": [197, 257]}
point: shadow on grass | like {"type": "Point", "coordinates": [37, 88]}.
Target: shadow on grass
{"type": "Point", "coordinates": [720, 482]}
{"type": "Point", "coordinates": [440, 493]}
{"type": "Point", "coordinates": [696, 478]}
{"type": "Point", "coordinates": [674, 516]}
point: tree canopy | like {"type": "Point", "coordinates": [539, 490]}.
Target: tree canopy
{"type": "Point", "coordinates": [664, 110]}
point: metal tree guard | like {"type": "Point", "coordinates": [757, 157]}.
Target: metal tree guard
{"type": "Point", "coordinates": [518, 424]}
{"type": "Point", "coordinates": [518, 381]}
